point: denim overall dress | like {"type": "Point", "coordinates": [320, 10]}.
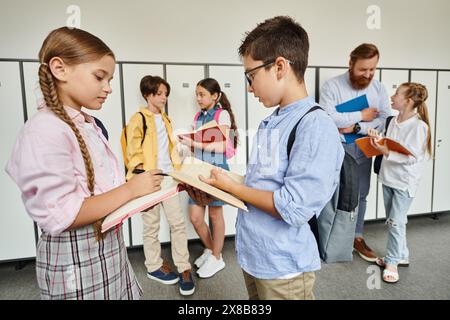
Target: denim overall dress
{"type": "Point", "coordinates": [217, 159]}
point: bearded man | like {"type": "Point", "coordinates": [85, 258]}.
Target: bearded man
{"type": "Point", "coordinates": [357, 81]}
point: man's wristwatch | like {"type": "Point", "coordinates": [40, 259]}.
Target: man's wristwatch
{"type": "Point", "coordinates": [356, 128]}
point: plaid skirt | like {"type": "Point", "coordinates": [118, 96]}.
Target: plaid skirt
{"type": "Point", "coordinates": [75, 266]}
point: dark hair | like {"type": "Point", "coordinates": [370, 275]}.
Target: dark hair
{"type": "Point", "coordinates": [74, 46]}
{"type": "Point", "coordinates": [212, 86]}
{"type": "Point", "coordinates": [275, 37]}
{"type": "Point", "coordinates": [150, 85]}
{"type": "Point", "coordinates": [364, 51]}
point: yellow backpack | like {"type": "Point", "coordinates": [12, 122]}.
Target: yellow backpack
{"type": "Point", "coordinates": [123, 140]}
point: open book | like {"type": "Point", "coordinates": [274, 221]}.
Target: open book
{"type": "Point", "coordinates": [192, 168]}
{"type": "Point", "coordinates": [187, 174]}
{"type": "Point", "coordinates": [209, 132]}
{"type": "Point", "coordinates": [369, 151]}
{"type": "Point", "coordinates": [169, 188]}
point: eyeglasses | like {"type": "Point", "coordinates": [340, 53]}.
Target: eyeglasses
{"type": "Point", "coordinates": [250, 74]}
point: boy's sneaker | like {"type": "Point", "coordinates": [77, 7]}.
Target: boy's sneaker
{"type": "Point", "coordinates": [186, 282]}
{"type": "Point", "coordinates": [164, 274]}
{"type": "Point", "coordinates": [201, 260]}
{"type": "Point", "coordinates": [211, 266]}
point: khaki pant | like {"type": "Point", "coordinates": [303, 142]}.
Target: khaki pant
{"type": "Point", "coordinates": [178, 238]}
{"type": "Point", "coordinates": [298, 288]}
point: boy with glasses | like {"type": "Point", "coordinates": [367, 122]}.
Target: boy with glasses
{"type": "Point", "coordinates": [274, 243]}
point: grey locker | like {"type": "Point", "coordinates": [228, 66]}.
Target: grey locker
{"type": "Point", "coordinates": [132, 75]}
{"type": "Point", "coordinates": [441, 199]}
{"type": "Point", "coordinates": [17, 236]}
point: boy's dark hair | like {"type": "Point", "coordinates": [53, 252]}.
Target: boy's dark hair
{"type": "Point", "coordinates": [364, 51]}
{"type": "Point", "coordinates": [150, 85]}
{"type": "Point", "coordinates": [275, 37]}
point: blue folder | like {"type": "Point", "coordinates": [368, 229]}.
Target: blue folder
{"type": "Point", "coordinates": [353, 105]}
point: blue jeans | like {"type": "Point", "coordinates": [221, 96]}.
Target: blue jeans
{"type": "Point", "coordinates": [364, 167]}
{"type": "Point", "coordinates": [396, 203]}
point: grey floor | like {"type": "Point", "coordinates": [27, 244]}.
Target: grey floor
{"type": "Point", "coordinates": [428, 276]}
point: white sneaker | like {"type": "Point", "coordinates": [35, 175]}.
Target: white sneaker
{"type": "Point", "coordinates": [211, 266]}
{"type": "Point", "coordinates": [201, 260]}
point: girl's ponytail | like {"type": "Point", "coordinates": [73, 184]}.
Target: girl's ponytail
{"type": "Point", "coordinates": [225, 103]}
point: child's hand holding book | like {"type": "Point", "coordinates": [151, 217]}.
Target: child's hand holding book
{"type": "Point", "coordinates": [221, 180]}
{"type": "Point", "coordinates": [376, 140]}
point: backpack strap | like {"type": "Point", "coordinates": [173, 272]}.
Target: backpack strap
{"type": "Point", "coordinates": [313, 221]}
{"type": "Point", "coordinates": [102, 127]}
{"type": "Point", "coordinates": [388, 120]}
{"type": "Point", "coordinates": [197, 115]}
{"type": "Point", "coordinates": [217, 114]}
{"type": "Point", "coordinates": [144, 127]}
{"type": "Point", "coordinates": [294, 130]}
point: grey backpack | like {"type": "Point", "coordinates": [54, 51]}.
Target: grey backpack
{"type": "Point", "coordinates": [334, 229]}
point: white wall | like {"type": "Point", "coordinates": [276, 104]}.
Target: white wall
{"type": "Point", "coordinates": [414, 33]}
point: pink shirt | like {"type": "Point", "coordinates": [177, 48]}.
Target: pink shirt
{"type": "Point", "coordinates": [47, 165]}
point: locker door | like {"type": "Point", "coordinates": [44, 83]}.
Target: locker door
{"type": "Point", "coordinates": [232, 82]}
{"type": "Point", "coordinates": [256, 113]}
{"type": "Point", "coordinates": [132, 75]}
{"type": "Point", "coordinates": [182, 109]}
{"type": "Point", "coordinates": [371, 209]}
{"type": "Point", "coordinates": [310, 81]}
{"type": "Point", "coordinates": [441, 199]}
{"type": "Point", "coordinates": [422, 201]}
{"type": "Point", "coordinates": [17, 236]}
{"type": "Point", "coordinates": [33, 92]}
{"type": "Point", "coordinates": [391, 80]}
{"type": "Point", "coordinates": [327, 74]}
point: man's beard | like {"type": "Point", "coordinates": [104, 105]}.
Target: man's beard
{"type": "Point", "coordinates": [359, 82]}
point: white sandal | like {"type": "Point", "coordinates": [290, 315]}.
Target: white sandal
{"type": "Point", "coordinates": [390, 274]}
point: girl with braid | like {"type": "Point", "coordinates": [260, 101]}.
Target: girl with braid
{"type": "Point", "coordinates": [400, 174]}
{"type": "Point", "coordinates": [70, 179]}
{"type": "Point", "coordinates": [214, 105]}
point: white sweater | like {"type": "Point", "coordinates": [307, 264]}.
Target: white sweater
{"type": "Point", "coordinates": [400, 171]}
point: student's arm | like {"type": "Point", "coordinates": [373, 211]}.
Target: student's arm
{"type": "Point", "coordinates": [329, 100]}
{"type": "Point", "coordinates": [53, 194]}
{"type": "Point", "coordinates": [260, 199]}
{"type": "Point", "coordinates": [416, 144]}
{"type": "Point", "coordinates": [97, 207]}
{"type": "Point", "coordinates": [384, 111]}
{"type": "Point", "coordinates": [135, 133]}
{"type": "Point", "coordinates": [218, 147]}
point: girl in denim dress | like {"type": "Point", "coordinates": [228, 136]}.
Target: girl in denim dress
{"type": "Point", "coordinates": [214, 106]}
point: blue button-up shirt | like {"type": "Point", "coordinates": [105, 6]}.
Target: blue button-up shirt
{"type": "Point", "coordinates": [270, 248]}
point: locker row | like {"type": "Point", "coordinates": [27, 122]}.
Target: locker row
{"type": "Point", "coordinates": [19, 93]}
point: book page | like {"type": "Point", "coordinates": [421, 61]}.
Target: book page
{"type": "Point", "coordinates": [169, 188]}
{"type": "Point", "coordinates": [192, 168]}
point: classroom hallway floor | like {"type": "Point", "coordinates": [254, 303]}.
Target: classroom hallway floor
{"type": "Point", "coordinates": [427, 277]}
